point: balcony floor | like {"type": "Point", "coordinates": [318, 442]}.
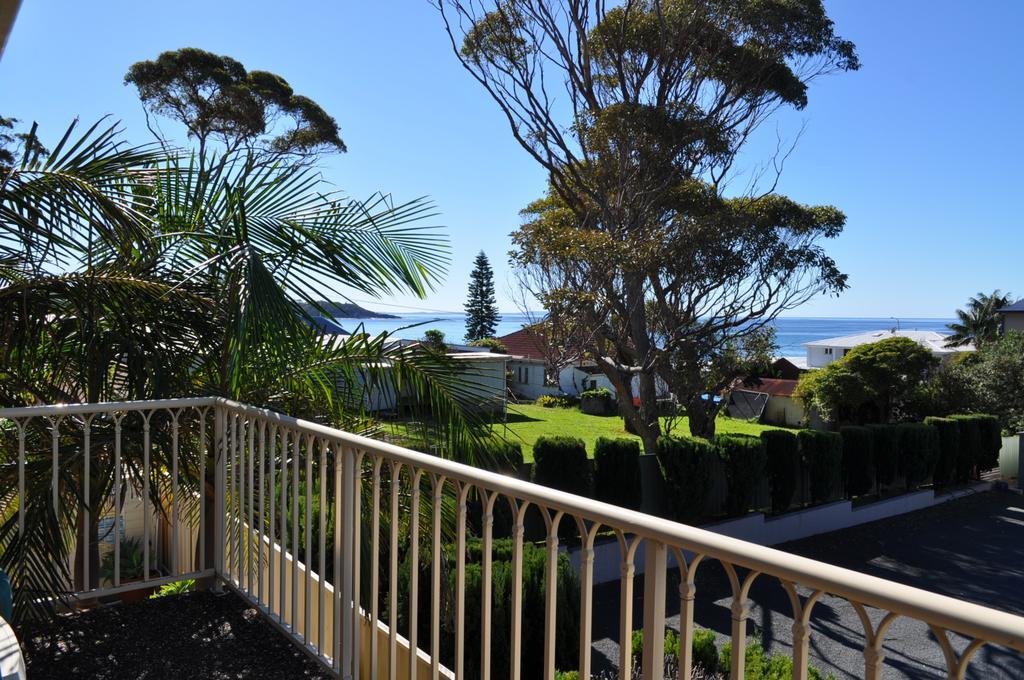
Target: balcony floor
{"type": "Point", "coordinates": [189, 636]}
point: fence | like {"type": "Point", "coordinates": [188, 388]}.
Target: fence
{"type": "Point", "coordinates": [314, 526]}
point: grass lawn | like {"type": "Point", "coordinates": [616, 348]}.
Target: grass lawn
{"type": "Point", "coordinates": [527, 422]}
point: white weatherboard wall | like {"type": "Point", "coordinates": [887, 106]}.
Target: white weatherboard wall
{"type": "Point", "coordinates": [763, 530]}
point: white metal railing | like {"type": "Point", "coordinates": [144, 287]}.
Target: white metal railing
{"type": "Point", "coordinates": [281, 486]}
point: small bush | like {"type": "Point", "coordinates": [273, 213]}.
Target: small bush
{"type": "Point", "coordinates": [686, 467]}
{"type": "Point", "coordinates": [597, 393]}
{"type": "Point", "coordinates": [555, 401]}
{"type": "Point", "coordinates": [822, 454]}
{"type": "Point", "coordinates": [949, 447]}
{"type": "Point", "coordinates": [176, 588]}
{"type": "Point", "coordinates": [858, 460]}
{"type": "Point", "coordinates": [885, 447]}
{"type": "Point", "coordinates": [783, 453]}
{"type": "Point", "coordinates": [919, 452]}
{"type": "Point", "coordinates": [617, 472]}
{"type": "Point", "coordinates": [567, 675]}
{"type": "Point", "coordinates": [705, 651]}
{"type": "Point", "coordinates": [759, 666]}
{"type": "Point", "coordinates": [493, 344]}
{"type": "Point", "coordinates": [970, 446]}
{"type": "Point", "coordinates": [561, 463]}
{"type": "Point", "coordinates": [744, 459]}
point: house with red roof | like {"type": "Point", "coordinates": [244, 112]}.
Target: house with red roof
{"type": "Point", "coordinates": [529, 369]}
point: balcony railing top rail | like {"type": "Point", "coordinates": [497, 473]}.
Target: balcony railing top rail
{"type": "Point", "coordinates": [343, 455]}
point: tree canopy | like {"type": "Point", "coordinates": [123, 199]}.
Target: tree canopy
{"type": "Point", "coordinates": [980, 321]}
{"type": "Point", "coordinates": [216, 98]}
{"type": "Point", "coordinates": [874, 382]}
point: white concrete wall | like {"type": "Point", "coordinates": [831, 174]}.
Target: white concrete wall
{"type": "Point", "coordinates": [817, 358]}
{"type": "Point", "coordinates": [784, 411]}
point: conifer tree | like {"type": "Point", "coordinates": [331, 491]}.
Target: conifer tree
{"type": "Point", "coordinates": [481, 307]}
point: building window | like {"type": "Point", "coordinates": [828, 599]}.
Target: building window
{"type": "Point", "coordinates": [828, 351]}
{"type": "Point", "coordinates": [524, 375]}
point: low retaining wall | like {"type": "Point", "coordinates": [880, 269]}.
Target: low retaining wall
{"type": "Point", "coordinates": [763, 530]}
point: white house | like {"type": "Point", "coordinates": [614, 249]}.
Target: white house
{"type": "Point", "coordinates": [527, 377]}
{"type": "Point", "coordinates": [821, 353]}
{"type": "Point", "coordinates": [576, 378]}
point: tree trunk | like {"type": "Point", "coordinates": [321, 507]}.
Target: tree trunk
{"type": "Point", "coordinates": [702, 418]}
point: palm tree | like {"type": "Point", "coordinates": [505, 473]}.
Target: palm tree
{"type": "Point", "coordinates": [979, 323]}
{"type": "Point", "coordinates": [125, 276]}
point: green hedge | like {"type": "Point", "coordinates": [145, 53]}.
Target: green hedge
{"type": "Point", "coordinates": [986, 439]}
{"type": "Point", "coordinates": [858, 460]}
{"type": "Point", "coordinates": [499, 455]}
{"type": "Point", "coordinates": [744, 459]}
{"type": "Point", "coordinates": [885, 447]}
{"type": "Point", "coordinates": [919, 452]}
{"type": "Point", "coordinates": [783, 453]}
{"type": "Point", "coordinates": [970, 446]}
{"type": "Point", "coordinates": [617, 472]}
{"type": "Point", "coordinates": [686, 465]}
{"type": "Point", "coordinates": [561, 463]}
{"type": "Point", "coordinates": [822, 454]}
{"type": "Point", "coordinates": [948, 430]}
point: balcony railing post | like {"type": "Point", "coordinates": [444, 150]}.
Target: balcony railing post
{"type": "Point", "coordinates": [655, 564]}
{"type": "Point", "coordinates": [347, 483]}
{"type": "Point", "coordinates": [219, 495]}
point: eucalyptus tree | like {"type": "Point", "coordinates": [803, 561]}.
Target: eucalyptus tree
{"type": "Point", "coordinates": [638, 112]}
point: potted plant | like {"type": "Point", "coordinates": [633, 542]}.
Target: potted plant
{"type": "Point", "coordinates": [596, 402]}
{"type": "Point", "coordinates": [131, 562]}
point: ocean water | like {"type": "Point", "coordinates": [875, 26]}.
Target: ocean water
{"type": "Point", "coordinates": [790, 332]}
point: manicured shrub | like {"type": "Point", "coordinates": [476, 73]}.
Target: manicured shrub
{"type": "Point", "coordinates": [858, 460]}
{"type": "Point", "coordinates": [919, 452]}
{"type": "Point", "coordinates": [686, 467]}
{"type": "Point", "coordinates": [744, 459]}
{"type": "Point", "coordinates": [885, 447]}
{"type": "Point", "coordinates": [561, 463]}
{"type": "Point", "coordinates": [949, 447]}
{"type": "Point", "coordinates": [970, 446]}
{"type": "Point", "coordinates": [987, 439]}
{"type": "Point", "coordinates": [783, 453]}
{"type": "Point", "coordinates": [499, 455]}
{"type": "Point", "coordinates": [822, 454]}
{"type": "Point", "coordinates": [597, 402]}
{"type": "Point", "coordinates": [617, 472]}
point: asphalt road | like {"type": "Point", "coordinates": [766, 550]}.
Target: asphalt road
{"type": "Point", "coordinates": [972, 549]}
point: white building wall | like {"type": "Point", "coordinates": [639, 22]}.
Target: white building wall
{"type": "Point", "coordinates": [572, 380]}
{"type": "Point", "coordinates": [1014, 321]}
{"type": "Point", "coordinates": [528, 379]}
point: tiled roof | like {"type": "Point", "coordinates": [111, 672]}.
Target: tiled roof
{"type": "Point", "coordinates": [525, 343]}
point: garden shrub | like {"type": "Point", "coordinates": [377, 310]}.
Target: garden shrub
{"type": "Point", "coordinates": [534, 564]}
{"type": "Point", "coordinates": [949, 447]}
{"type": "Point", "coordinates": [686, 468]}
{"type": "Point", "coordinates": [858, 460]}
{"type": "Point", "coordinates": [760, 666]}
{"type": "Point", "coordinates": [555, 401]}
{"type": "Point", "coordinates": [596, 393]}
{"type": "Point", "coordinates": [561, 463]}
{"type": "Point", "coordinates": [885, 447]}
{"type": "Point", "coordinates": [705, 651]}
{"type": "Point", "coordinates": [919, 452]}
{"type": "Point", "coordinates": [744, 459]}
{"type": "Point", "coordinates": [822, 454]}
{"type": "Point", "coordinates": [783, 453]}
{"type": "Point", "coordinates": [597, 402]}
{"type": "Point", "coordinates": [617, 472]}
{"type": "Point", "coordinates": [970, 446]}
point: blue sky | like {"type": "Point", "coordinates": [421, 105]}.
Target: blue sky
{"type": "Point", "coordinates": [921, 148]}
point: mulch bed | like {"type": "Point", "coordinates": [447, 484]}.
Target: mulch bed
{"type": "Point", "coordinates": [196, 635]}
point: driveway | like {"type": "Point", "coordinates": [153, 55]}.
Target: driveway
{"type": "Point", "coordinates": [972, 549]}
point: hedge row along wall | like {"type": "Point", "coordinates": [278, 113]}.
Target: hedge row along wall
{"type": "Point", "coordinates": [736, 474]}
